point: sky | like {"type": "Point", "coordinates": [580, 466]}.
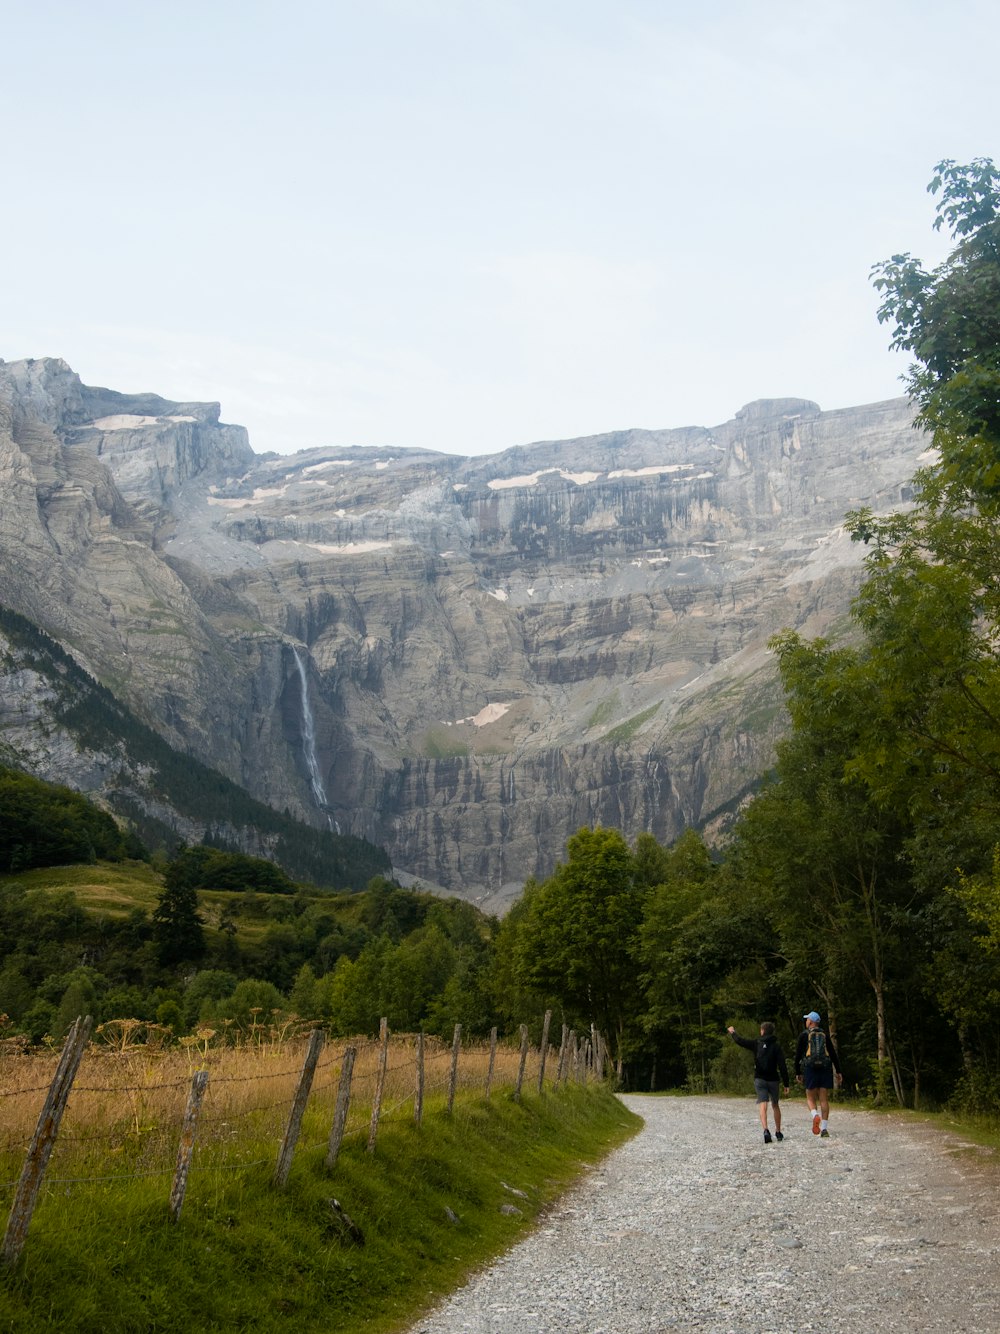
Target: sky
{"type": "Point", "coordinates": [466, 226]}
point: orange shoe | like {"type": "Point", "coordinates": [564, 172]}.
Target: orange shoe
{"type": "Point", "coordinates": [816, 1121]}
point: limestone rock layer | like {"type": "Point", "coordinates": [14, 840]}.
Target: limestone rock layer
{"type": "Point", "coordinates": [461, 659]}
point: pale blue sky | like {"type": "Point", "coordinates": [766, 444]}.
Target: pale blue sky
{"type": "Point", "coordinates": [468, 226]}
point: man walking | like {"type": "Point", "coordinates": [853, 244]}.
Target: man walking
{"type": "Point", "coordinates": [768, 1064]}
{"type": "Point", "coordinates": [815, 1063]}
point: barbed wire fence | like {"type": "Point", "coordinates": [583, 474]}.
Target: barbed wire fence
{"type": "Point", "coordinates": [133, 1107]}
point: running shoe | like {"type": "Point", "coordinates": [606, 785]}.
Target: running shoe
{"type": "Point", "coordinates": [815, 1125]}
{"type": "Point", "coordinates": [824, 1134]}
{"type": "Point", "coordinates": [778, 1136]}
{"type": "Point", "coordinates": [767, 1137]}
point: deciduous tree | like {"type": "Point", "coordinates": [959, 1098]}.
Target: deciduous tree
{"type": "Point", "coordinates": [578, 939]}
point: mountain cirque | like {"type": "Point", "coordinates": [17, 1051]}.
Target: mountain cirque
{"type": "Point", "coordinates": [461, 659]}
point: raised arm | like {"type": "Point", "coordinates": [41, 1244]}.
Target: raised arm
{"type": "Point", "coordinates": [741, 1042]}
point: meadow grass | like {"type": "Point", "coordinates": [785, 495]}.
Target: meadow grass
{"type": "Point", "coordinates": [627, 730]}
{"type": "Point", "coordinates": [439, 745]}
{"type": "Point", "coordinates": [102, 1253]}
{"type": "Point", "coordinates": [113, 889]}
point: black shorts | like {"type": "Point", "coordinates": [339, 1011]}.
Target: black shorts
{"type": "Point", "coordinates": [818, 1076]}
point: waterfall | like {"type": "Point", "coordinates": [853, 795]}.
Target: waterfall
{"type": "Point", "coordinates": [309, 741]}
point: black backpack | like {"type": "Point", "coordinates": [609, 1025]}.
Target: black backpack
{"type": "Point", "coordinates": [816, 1055]}
{"type": "Point", "coordinates": [767, 1057]}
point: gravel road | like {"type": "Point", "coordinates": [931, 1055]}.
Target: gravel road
{"type": "Point", "coordinates": [697, 1224]}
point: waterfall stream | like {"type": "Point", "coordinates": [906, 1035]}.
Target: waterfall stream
{"type": "Point", "coordinates": [309, 741]}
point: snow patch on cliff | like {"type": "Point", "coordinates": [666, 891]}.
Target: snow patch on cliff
{"type": "Point", "coordinates": [330, 463]}
{"type": "Point", "coordinates": [533, 478]}
{"type": "Point", "coordinates": [286, 547]}
{"type": "Point", "coordinates": [241, 502]}
{"type": "Point", "coordinates": [490, 714]}
{"type": "Point", "coordinates": [656, 470]}
{"type": "Point", "coordinates": [130, 421]}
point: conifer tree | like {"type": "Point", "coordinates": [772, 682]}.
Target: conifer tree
{"type": "Point", "coordinates": [177, 925]}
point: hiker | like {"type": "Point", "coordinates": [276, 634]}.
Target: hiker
{"type": "Point", "coordinates": [768, 1064]}
{"type": "Point", "coordinates": [815, 1063]}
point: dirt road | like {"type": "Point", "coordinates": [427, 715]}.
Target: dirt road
{"type": "Point", "coordinates": [696, 1224]}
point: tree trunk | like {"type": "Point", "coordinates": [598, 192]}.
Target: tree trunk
{"type": "Point", "coordinates": [885, 1057]}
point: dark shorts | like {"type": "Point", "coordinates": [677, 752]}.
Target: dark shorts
{"type": "Point", "coordinates": [767, 1090]}
{"type": "Point", "coordinates": [821, 1078]}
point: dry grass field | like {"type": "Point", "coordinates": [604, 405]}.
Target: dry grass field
{"type": "Point", "coordinates": [127, 1104]}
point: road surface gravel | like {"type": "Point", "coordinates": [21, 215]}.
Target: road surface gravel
{"type": "Point", "coordinates": [696, 1224]}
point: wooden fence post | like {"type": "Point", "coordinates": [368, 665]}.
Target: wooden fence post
{"type": "Point", "coordinates": [186, 1147]}
{"type": "Point", "coordinates": [600, 1053]}
{"type": "Point", "coordinates": [284, 1165]}
{"type": "Point", "coordinates": [544, 1048]}
{"type": "Point", "coordinates": [524, 1058]}
{"type": "Point", "coordinates": [383, 1059]}
{"type": "Point", "coordinates": [493, 1061]}
{"type": "Point", "coordinates": [453, 1077]}
{"type": "Point", "coordinates": [43, 1140]}
{"type": "Point", "coordinates": [418, 1098]}
{"type": "Point", "coordinates": [340, 1112]}
{"type": "Point", "coordinates": [561, 1068]}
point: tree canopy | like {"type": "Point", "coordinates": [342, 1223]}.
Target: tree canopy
{"type": "Point", "coordinates": [949, 319]}
{"type": "Point", "coordinates": [44, 824]}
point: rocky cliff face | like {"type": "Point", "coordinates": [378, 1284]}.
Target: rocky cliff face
{"type": "Point", "coordinates": [461, 659]}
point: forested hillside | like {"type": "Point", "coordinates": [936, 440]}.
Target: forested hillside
{"type": "Point", "coordinates": [211, 937]}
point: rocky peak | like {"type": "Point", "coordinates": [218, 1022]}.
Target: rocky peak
{"type": "Point", "coordinates": [48, 390]}
{"type": "Point", "coordinates": [152, 445]}
{"type": "Point", "coordinates": [773, 409]}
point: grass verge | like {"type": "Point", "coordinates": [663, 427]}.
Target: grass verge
{"type": "Point", "coordinates": [244, 1256]}
{"type": "Point", "coordinates": [978, 1133]}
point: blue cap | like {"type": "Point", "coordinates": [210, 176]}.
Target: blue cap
{"type": "Point", "coordinates": [812, 1015]}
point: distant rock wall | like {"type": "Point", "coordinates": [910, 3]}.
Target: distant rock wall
{"type": "Point", "coordinates": [497, 650]}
